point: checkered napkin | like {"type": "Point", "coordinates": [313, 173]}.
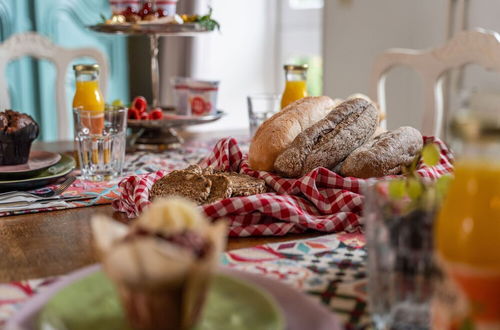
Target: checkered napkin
{"type": "Point", "coordinates": [321, 200]}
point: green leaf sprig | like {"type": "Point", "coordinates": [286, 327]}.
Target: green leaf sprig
{"type": "Point", "coordinates": [414, 188]}
{"type": "Point", "coordinates": [208, 22]}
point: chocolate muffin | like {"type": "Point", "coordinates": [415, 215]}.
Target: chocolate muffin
{"type": "Point", "coordinates": [17, 132]}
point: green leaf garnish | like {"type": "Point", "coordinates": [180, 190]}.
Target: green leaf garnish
{"type": "Point", "coordinates": [208, 22]}
{"type": "Point", "coordinates": [117, 103]}
{"type": "Point", "coordinates": [430, 154]}
{"type": "Point", "coordinates": [397, 189]}
{"type": "Point", "coordinates": [103, 17]}
{"type": "Point", "coordinates": [414, 188]}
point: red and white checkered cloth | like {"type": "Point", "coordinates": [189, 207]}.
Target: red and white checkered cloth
{"type": "Point", "coordinates": [321, 200]}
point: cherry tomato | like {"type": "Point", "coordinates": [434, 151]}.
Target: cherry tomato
{"type": "Point", "coordinates": [133, 114]}
{"type": "Point", "coordinates": [156, 114]}
{"type": "Point", "coordinates": [140, 104]}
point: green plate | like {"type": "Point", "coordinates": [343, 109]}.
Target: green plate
{"type": "Point", "coordinates": [66, 163]}
{"type": "Point", "coordinates": [92, 303]}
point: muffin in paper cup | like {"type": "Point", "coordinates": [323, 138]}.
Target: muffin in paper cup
{"type": "Point", "coordinates": [17, 132]}
{"type": "Point", "coordinates": [163, 264]}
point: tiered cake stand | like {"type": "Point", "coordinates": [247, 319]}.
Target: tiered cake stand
{"type": "Point", "coordinates": [158, 135]}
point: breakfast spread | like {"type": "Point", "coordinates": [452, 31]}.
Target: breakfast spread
{"type": "Point", "coordinates": [341, 136]}
{"type": "Point", "coordinates": [161, 265]}
{"type": "Point", "coordinates": [17, 132]}
{"type": "Point", "coordinates": [206, 186]}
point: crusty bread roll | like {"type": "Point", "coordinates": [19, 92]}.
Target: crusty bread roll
{"type": "Point", "coordinates": [384, 155]}
{"type": "Point", "coordinates": [276, 133]}
{"type": "Point", "coordinates": [331, 140]}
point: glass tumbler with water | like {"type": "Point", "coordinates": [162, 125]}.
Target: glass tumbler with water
{"type": "Point", "coordinates": [260, 108]}
{"type": "Point", "coordinates": [400, 257]}
{"type": "Point", "coordinates": [101, 153]}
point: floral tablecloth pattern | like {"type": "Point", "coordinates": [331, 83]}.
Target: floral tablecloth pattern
{"type": "Point", "coordinates": [330, 268]}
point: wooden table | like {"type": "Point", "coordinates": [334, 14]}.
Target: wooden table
{"type": "Point", "coordinates": [54, 243]}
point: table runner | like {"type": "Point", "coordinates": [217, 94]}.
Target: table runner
{"type": "Point", "coordinates": [321, 200]}
{"type": "Point", "coordinates": [330, 268]}
{"type": "Point", "coordinates": [135, 164]}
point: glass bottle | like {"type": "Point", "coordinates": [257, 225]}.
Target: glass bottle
{"type": "Point", "coordinates": [296, 83]}
{"type": "Point", "coordinates": [88, 96]}
{"type": "Point", "coordinates": [467, 231]}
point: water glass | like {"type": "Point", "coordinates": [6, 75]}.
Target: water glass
{"type": "Point", "coordinates": [260, 108]}
{"type": "Point", "coordinates": [400, 258]}
{"type": "Point", "coordinates": [100, 142]}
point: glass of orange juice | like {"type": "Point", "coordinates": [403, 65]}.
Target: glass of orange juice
{"type": "Point", "coordinates": [467, 232]}
{"type": "Point", "coordinates": [296, 83]}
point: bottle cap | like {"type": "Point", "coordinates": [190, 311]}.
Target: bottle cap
{"type": "Point", "coordinates": [86, 67]}
{"type": "Point", "coordinates": [296, 67]}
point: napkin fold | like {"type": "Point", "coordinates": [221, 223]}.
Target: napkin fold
{"type": "Point", "coordinates": [35, 204]}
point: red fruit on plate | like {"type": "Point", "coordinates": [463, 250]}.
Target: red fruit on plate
{"type": "Point", "coordinates": [134, 114]}
{"type": "Point", "coordinates": [156, 114]}
{"type": "Point", "coordinates": [144, 116]}
{"type": "Point", "coordinates": [146, 9]}
{"type": "Point", "coordinates": [161, 12]}
{"type": "Point", "coordinates": [139, 103]}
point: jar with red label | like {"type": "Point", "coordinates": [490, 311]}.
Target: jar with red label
{"type": "Point", "coordinates": [166, 7]}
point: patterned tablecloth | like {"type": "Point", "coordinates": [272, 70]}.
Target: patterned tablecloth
{"type": "Point", "coordinates": [330, 268]}
{"type": "Point", "coordinates": [137, 163]}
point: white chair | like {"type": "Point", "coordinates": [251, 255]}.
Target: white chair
{"type": "Point", "coordinates": [474, 46]}
{"type": "Point", "coordinates": [38, 46]}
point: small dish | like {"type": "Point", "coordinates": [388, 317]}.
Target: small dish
{"type": "Point", "coordinates": [66, 164]}
{"type": "Point", "coordinates": [37, 162]}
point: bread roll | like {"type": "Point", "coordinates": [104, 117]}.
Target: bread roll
{"type": "Point", "coordinates": [330, 140]}
{"type": "Point", "coordinates": [276, 133]}
{"type": "Point", "coordinates": [384, 155]}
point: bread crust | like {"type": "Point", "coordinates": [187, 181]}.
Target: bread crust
{"type": "Point", "coordinates": [385, 154]}
{"type": "Point", "coordinates": [331, 140]}
{"type": "Point", "coordinates": [276, 133]}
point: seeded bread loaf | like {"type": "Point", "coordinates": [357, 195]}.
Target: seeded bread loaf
{"type": "Point", "coordinates": [276, 133]}
{"type": "Point", "coordinates": [331, 140]}
{"type": "Point", "coordinates": [206, 186]}
{"type": "Point", "coordinates": [384, 155]}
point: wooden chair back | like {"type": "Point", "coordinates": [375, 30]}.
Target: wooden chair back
{"type": "Point", "coordinates": [474, 46]}
{"type": "Point", "coordinates": [38, 46]}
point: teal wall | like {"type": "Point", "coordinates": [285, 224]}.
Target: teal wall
{"type": "Point", "coordinates": [31, 82]}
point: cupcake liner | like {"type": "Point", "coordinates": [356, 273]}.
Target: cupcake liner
{"type": "Point", "coordinates": [161, 285]}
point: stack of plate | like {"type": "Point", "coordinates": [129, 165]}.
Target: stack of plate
{"type": "Point", "coordinates": [42, 168]}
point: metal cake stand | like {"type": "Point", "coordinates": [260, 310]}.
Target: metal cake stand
{"type": "Point", "coordinates": [158, 135]}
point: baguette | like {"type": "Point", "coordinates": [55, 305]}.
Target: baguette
{"type": "Point", "coordinates": [384, 155]}
{"type": "Point", "coordinates": [276, 133]}
{"type": "Point", "coordinates": [331, 140]}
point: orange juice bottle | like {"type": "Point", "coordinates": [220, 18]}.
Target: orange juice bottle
{"type": "Point", "coordinates": [467, 241]}
{"type": "Point", "coordinates": [88, 97]}
{"type": "Point", "coordinates": [296, 85]}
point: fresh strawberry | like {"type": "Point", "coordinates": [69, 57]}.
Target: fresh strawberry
{"type": "Point", "coordinates": [140, 104]}
{"type": "Point", "coordinates": [134, 114]}
{"type": "Point", "coordinates": [144, 116]}
{"type": "Point", "coordinates": [156, 114]}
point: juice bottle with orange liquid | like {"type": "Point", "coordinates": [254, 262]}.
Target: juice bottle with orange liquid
{"type": "Point", "coordinates": [296, 84]}
{"type": "Point", "coordinates": [89, 103]}
{"type": "Point", "coordinates": [467, 238]}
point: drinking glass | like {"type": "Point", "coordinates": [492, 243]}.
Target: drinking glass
{"type": "Point", "coordinates": [400, 257]}
{"type": "Point", "coordinates": [260, 108]}
{"type": "Point", "coordinates": [100, 142]}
